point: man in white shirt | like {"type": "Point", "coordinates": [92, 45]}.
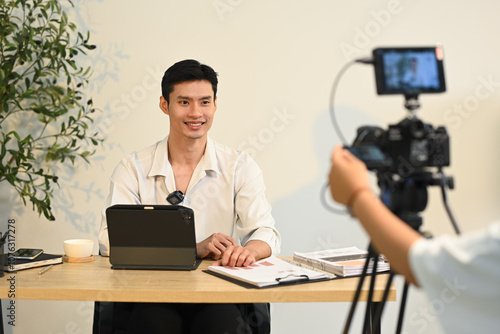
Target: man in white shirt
{"type": "Point", "coordinates": [414, 78]}
{"type": "Point", "coordinates": [461, 275]}
{"type": "Point", "coordinates": [225, 188]}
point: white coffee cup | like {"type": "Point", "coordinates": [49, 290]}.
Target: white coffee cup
{"type": "Point", "coordinates": [78, 247]}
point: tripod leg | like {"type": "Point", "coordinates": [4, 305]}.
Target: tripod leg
{"type": "Point", "coordinates": [380, 307]}
{"type": "Point", "coordinates": [358, 292]}
{"type": "Point", "coordinates": [402, 308]}
{"type": "Point", "coordinates": [369, 311]}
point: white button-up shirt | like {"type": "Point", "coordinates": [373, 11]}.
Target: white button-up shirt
{"type": "Point", "coordinates": [461, 276]}
{"type": "Point", "coordinates": [226, 193]}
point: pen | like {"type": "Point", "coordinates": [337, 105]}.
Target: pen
{"type": "Point", "coordinates": [44, 270]}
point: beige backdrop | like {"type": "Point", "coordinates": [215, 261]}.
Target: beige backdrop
{"type": "Point", "coordinates": [277, 61]}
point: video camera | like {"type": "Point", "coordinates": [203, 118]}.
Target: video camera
{"type": "Point", "coordinates": [409, 155]}
{"type": "Point", "coordinates": [403, 148]}
{"type": "Point", "coordinates": [401, 154]}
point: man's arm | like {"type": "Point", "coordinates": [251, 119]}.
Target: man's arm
{"type": "Point", "coordinates": [389, 235]}
{"type": "Point", "coordinates": [254, 222]}
{"type": "Point", "coordinates": [123, 190]}
{"type": "Point", "coordinates": [239, 256]}
{"type": "Point", "coordinates": [214, 246]}
{"type": "Point", "coordinates": [224, 248]}
{"type": "Point", "coordinates": [253, 211]}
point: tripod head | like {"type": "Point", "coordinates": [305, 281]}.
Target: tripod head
{"type": "Point", "coordinates": [407, 196]}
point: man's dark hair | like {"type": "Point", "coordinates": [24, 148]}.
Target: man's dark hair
{"type": "Point", "coordinates": [187, 70]}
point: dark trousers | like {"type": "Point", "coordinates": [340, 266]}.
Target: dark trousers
{"type": "Point", "coordinates": [187, 318]}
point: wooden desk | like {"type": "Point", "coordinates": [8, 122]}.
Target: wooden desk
{"type": "Point", "coordinates": [96, 281]}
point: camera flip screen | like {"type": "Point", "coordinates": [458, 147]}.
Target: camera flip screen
{"type": "Point", "coordinates": [409, 71]}
{"type": "Point", "coordinates": [371, 155]}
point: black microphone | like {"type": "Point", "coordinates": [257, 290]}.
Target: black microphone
{"type": "Point", "coordinates": [176, 197]}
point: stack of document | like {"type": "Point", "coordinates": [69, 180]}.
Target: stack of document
{"type": "Point", "coordinates": [269, 272]}
{"type": "Point", "coordinates": [342, 261]}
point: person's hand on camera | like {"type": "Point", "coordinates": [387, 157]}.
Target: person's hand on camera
{"type": "Point", "coordinates": [348, 176]}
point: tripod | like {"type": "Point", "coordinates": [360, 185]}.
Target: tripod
{"type": "Point", "coordinates": [407, 197]}
{"type": "Point", "coordinates": [373, 312]}
{"type": "Point", "coordinates": [410, 143]}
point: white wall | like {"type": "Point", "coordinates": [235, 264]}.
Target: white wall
{"type": "Point", "coordinates": [276, 62]}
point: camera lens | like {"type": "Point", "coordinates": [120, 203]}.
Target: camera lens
{"type": "Point", "coordinates": [418, 129]}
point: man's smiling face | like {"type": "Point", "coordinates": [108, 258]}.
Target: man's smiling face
{"type": "Point", "coordinates": [191, 109]}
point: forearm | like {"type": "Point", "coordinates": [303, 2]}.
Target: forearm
{"type": "Point", "coordinates": [389, 235]}
{"type": "Point", "coordinates": [259, 249]}
{"type": "Point", "coordinates": [242, 256]}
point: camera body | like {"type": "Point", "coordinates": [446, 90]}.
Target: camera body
{"type": "Point", "coordinates": [403, 148]}
{"type": "Point", "coordinates": [404, 154]}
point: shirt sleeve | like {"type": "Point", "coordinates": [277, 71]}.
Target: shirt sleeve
{"type": "Point", "coordinates": [461, 277]}
{"type": "Point", "coordinates": [254, 220]}
{"type": "Point", "coordinates": [123, 190]}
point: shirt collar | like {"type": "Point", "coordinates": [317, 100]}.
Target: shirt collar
{"type": "Point", "coordinates": [209, 159]}
{"type": "Point", "coordinates": [161, 165]}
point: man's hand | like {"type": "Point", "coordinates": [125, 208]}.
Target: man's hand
{"type": "Point", "coordinates": [237, 256]}
{"type": "Point", "coordinates": [214, 246]}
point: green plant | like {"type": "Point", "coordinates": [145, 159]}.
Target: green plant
{"type": "Point", "coordinates": [45, 118]}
